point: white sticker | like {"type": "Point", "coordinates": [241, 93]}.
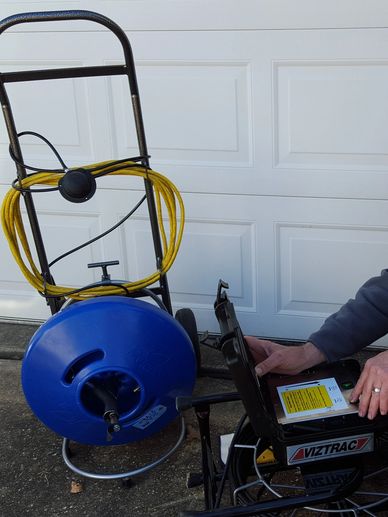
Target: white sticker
{"type": "Point", "coordinates": [343, 446]}
{"type": "Point", "coordinates": [150, 417]}
{"type": "Point", "coordinates": [311, 398]}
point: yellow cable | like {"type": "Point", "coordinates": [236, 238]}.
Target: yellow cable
{"type": "Point", "coordinates": [165, 193]}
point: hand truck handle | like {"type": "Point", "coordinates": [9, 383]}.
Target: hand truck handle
{"type": "Point", "coordinates": [52, 16]}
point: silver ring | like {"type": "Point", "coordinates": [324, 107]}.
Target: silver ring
{"type": "Point", "coordinates": [376, 390]}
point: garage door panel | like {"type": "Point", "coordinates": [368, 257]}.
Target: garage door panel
{"type": "Point", "coordinates": [71, 113]}
{"type": "Point", "coordinates": [305, 106]}
{"type": "Point", "coordinates": [18, 300]}
{"type": "Point", "coordinates": [73, 229]}
{"type": "Point", "coordinates": [301, 271]}
{"type": "Point", "coordinates": [246, 104]}
{"type": "Point", "coordinates": [256, 14]}
{"type": "Point", "coordinates": [59, 114]}
{"type": "Point", "coordinates": [209, 100]}
{"type": "Point", "coordinates": [223, 250]}
{"type": "Point", "coordinates": [312, 257]}
{"type": "Point", "coordinates": [276, 137]}
{"type": "Point", "coordinates": [217, 14]}
{"type": "Point", "coordinates": [310, 134]}
{"type": "Point", "coordinates": [323, 252]}
{"type": "Point", "coordinates": [289, 261]}
{"type": "Point", "coordinates": [63, 227]}
{"type": "Point", "coordinates": [10, 274]}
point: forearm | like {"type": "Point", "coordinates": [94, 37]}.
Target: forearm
{"type": "Point", "coordinates": [310, 355]}
{"type": "Point", "coordinates": [358, 323]}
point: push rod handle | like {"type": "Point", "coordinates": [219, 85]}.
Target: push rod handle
{"type": "Point", "coordinates": [66, 15]}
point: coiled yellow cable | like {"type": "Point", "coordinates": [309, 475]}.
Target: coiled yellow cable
{"type": "Point", "coordinates": [165, 192]}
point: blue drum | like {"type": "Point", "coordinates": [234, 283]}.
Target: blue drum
{"type": "Point", "coordinates": [108, 370]}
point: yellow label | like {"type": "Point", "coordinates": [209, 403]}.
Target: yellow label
{"type": "Point", "coordinates": [266, 456]}
{"type": "Point", "coordinates": [306, 399]}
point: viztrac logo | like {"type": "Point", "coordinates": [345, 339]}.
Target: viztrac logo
{"type": "Point", "coordinates": [325, 449]}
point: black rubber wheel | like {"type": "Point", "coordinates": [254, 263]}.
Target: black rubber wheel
{"type": "Point", "coordinates": [187, 319]}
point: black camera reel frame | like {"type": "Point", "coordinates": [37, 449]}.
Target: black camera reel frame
{"type": "Point", "coordinates": [327, 480]}
{"type": "Point", "coordinates": [127, 69]}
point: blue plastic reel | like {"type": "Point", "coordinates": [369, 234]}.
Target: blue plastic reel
{"type": "Point", "coordinates": [115, 348]}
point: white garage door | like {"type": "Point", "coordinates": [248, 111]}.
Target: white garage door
{"type": "Point", "coordinates": [270, 118]}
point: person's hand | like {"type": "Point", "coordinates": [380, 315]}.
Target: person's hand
{"type": "Point", "coordinates": [372, 387]}
{"type": "Point", "coordinates": [290, 360]}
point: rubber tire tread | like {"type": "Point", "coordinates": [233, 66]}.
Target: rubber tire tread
{"type": "Point", "coordinates": [186, 318]}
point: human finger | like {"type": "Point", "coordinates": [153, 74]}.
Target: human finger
{"type": "Point", "coordinates": [373, 379]}
{"type": "Point", "coordinates": [374, 402]}
{"type": "Point", "coordinates": [383, 400]}
{"type": "Point", "coordinates": [365, 396]}
{"type": "Point", "coordinates": [271, 364]}
{"type": "Point", "coordinates": [373, 398]}
{"type": "Point", "coordinates": [258, 347]}
{"type": "Point", "coordinates": [358, 389]}
{"type": "Point", "coordinates": [378, 401]}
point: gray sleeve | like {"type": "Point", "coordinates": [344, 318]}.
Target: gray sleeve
{"type": "Point", "coordinates": [358, 323]}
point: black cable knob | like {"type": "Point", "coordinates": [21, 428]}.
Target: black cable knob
{"type": "Point", "coordinates": [77, 185]}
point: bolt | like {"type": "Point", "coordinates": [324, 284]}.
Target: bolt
{"type": "Point", "coordinates": [113, 419]}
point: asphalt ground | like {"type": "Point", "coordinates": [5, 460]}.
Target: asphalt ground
{"type": "Point", "coordinates": [34, 481]}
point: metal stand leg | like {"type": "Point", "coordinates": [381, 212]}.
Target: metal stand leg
{"type": "Point", "coordinates": [66, 454]}
{"type": "Point", "coordinates": [208, 466]}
